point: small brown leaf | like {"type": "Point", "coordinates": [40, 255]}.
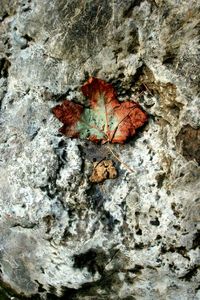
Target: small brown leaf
{"type": "Point", "coordinates": [103, 170]}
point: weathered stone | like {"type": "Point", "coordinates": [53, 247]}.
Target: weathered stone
{"type": "Point", "coordinates": [188, 140]}
{"type": "Point", "coordinates": [132, 237]}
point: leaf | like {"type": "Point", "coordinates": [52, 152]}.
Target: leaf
{"type": "Point", "coordinates": [103, 170]}
{"type": "Point", "coordinates": [106, 119]}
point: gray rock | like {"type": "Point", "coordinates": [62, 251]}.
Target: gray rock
{"type": "Point", "coordinates": [133, 237]}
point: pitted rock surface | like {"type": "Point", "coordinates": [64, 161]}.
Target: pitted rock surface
{"type": "Point", "coordinates": [132, 237]}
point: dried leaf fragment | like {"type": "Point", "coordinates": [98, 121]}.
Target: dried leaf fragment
{"type": "Point", "coordinates": [103, 170]}
{"type": "Point", "coordinates": [106, 119]}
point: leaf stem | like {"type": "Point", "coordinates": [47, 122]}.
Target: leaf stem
{"type": "Point", "coordinates": [117, 157]}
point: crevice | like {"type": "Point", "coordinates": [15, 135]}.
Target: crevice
{"type": "Point", "coordinates": [181, 250]}
{"type": "Point", "coordinates": [93, 260]}
{"type": "Point", "coordinates": [25, 226]}
{"type": "Point", "coordinates": [189, 275]}
{"type": "Point", "coordinates": [169, 58]}
{"type": "Point", "coordinates": [136, 270]}
{"type": "Point", "coordinates": [5, 15]}
{"type": "Point", "coordinates": [4, 67]}
{"type": "Point", "coordinates": [196, 240]}
{"type": "Point", "coordinates": [160, 180]}
{"type": "Point", "coordinates": [128, 11]}
{"type": "Point", "coordinates": [188, 140]}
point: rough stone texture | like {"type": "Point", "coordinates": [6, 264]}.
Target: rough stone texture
{"type": "Point", "coordinates": [133, 237]}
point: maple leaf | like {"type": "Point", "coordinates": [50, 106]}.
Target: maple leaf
{"type": "Point", "coordinates": [106, 119]}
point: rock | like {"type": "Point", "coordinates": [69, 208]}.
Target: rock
{"type": "Point", "coordinates": [132, 237]}
{"type": "Point", "coordinates": [188, 140]}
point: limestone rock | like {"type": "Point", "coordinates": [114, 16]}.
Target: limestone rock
{"type": "Point", "coordinates": [132, 237]}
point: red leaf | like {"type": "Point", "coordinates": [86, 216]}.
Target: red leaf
{"type": "Point", "coordinates": [106, 120]}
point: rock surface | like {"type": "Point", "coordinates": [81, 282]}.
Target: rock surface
{"type": "Point", "coordinates": [133, 237]}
